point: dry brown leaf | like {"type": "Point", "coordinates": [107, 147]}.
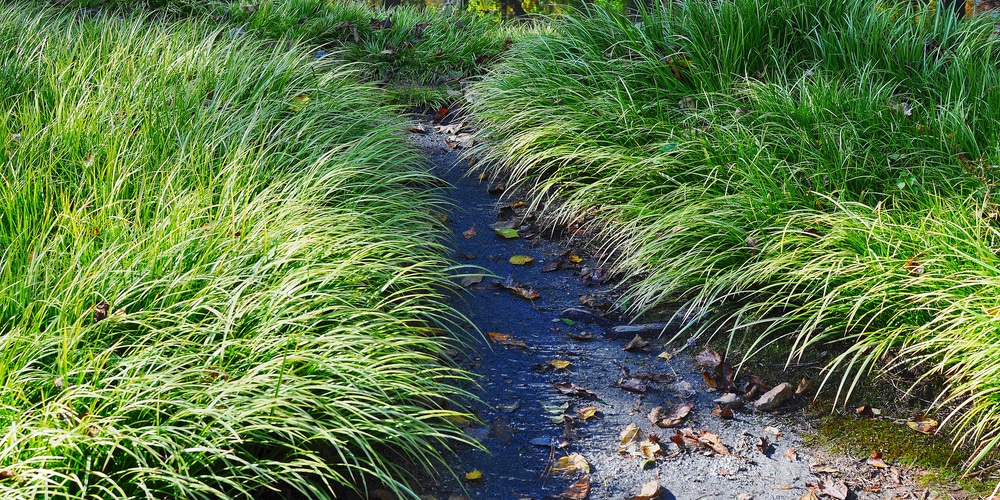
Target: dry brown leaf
{"type": "Point", "coordinates": [875, 460]}
{"type": "Point", "coordinates": [723, 412]}
{"type": "Point", "coordinates": [649, 491]}
{"type": "Point", "coordinates": [791, 455]}
{"type": "Point", "coordinates": [836, 490]}
{"type": "Point", "coordinates": [637, 344]}
{"type": "Point", "coordinates": [804, 385]}
{"type": "Point", "coordinates": [677, 417]}
{"type": "Point", "coordinates": [578, 490]}
{"type": "Point", "coordinates": [633, 384]}
{"type": "Point", "coordinates": [923, 424]}
{"type": "Point", "coordinates": [582, 336]}
{"type": "Point", "coordinates": [712, 440]}
{"type": "Point", "coordinates": [469, 233]}
{"type": "Point", "coordinates": [630, 433]}
{"type": "Point", "coordinates": [809, 496]}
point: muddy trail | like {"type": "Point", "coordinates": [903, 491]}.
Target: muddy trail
{"type": "Point", "coordinates": [575, 405]}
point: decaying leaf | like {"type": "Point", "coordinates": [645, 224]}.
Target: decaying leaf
{"type": "Point", "coordinates": [677, 417]}
{"type": "Point", "coordinates": [520, 260]}
{"type": "Point", "coordinates": [553, 408]}
{"type": "Point", "coordinates": [763, 445]}
{"type": "Point", "coordinates": [804, 385]}
{"type": "Point", "coordinates": [587, 413]}
{"type": "Point", "coordinates": [923, 424]}
{"type": "Point", "coordinates": [708, 358]}
{"type": "Point", "coordinates": [418, 128]}
{"type": "Point", "coordinates": [774, 431]}
{"type": "Point", "coordinates": [578, 490]}
{"type": "Point", "coordinates": [722, 411]}
{"type": "Point", "coordinates": [636, 344]}
{"type": "Point", "coordinates": [101, 311]}
{"type": "Point", "coordinates": [649, 491]}
{"type": "Point", "coordinates": [571, 389]}
{"type": "Point", "coordinates": [712, 440]}
{"type": "Point", "coordinates": [867, 411]}
{"type": "Point", "coordinates": [559, 364]}
{"type": "Point", "coordinates": [582, 336]}
{"type": "Point", "coordinates": [475, 475]}
{"type": "Point", "coordinates": [913, 266]}
{"type": "Point", "coordinates": [633, 384]}
{"type": "Point", "coordinates": [571, 464]}
{"type": "Point", "coordinates": [649, 448]}
{"type": "Point", "coordinates": [471, 280]}
{"type": "Point", "coordinates": [469, 233]}
{"type": "Point", "coordinates": [875, 460]}
{"type": "Point", "coordinates": [505, 339]}
{"type": "Point", "coordinates": [518, 289]}
{"type": "Point", "coordinates": [791, 455]}
{"type": "Point", "coordinates": [836, 490]}
{"type": "Point", "coordinates": [629, 434]}
{"type": "Point", "coordinates": [809, 496]}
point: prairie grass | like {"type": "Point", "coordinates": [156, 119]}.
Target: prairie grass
{"type": "Point", "coordinates": [220, 270]}
{"type": "Point", "coordinates": [805, 172]}
{"type": "Point", "coordinates": [418, 55]}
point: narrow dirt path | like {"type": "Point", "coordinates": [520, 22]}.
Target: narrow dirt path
{"type": "Point", "coordinates": [535, 411]}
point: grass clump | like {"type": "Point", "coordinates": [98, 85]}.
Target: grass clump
{"type": "Point", "coordinates": [220, 270]}
{"type": "Point", "coordinates": [808, 172]}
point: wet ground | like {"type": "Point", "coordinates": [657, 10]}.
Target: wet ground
{"type": "Point", "coordinates": [559, 387]}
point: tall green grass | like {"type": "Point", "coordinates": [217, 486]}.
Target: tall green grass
{"type": "Point", "coordinates": [805, 172]}
{"type": "Point", "coordinates": [219, 269]}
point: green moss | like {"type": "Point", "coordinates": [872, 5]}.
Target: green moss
{"type": "Point", "coordinates": [899, 445]}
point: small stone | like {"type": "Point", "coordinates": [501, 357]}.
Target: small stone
{"type": "Point", "coordinates": [775, 397]}
{"type": "Point", "coordinates": [729, 399]}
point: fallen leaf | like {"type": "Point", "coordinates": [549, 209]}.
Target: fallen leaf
{"type": "Point", "coordinates": [507, 233]}
{"type": "Point", "coordinates": [809, 496]}
{"type": "Point", "coordinates": [505, 339]}
{"type": "Point", "coordinates": [867, 411]}
{"type": "Point", "coordinates": [774, 431]}
{"type": "Point", "coordinates": [571, 464]}
{"type": "Point", "coordinates": [582, 336]}
{"type": "Point", "coordinates": [763, 445]}
{"type": "Point", "coordinates": [636, 344]}
{"type": "Point", "coordinates": [875, 460]}
{"type": "Point", "coordinates": [469, 233]}
{"type": "Point", "coordinates": [578, 490]}
{"type": "Point", "coordinates": [791, 455]}
{"type": "Point", "coordinates": [654, 414]}
{"type": "Point", "coordinates": [576, 259]}
{"type": "Point", "coordinates": [649, 491]}
{"type": "Point", "coordinates": [677, 417]}
{"type": "Point", "coordinates": [567, 321]}
{"type": "Point", "coordinates": [587, 413]}
{"type": "Point", "coordinates": [630, 433]}
{"type": "Point", "coordinates": [836, 490]}
{"type": "Point", "coordinates": [442, 112]}
{"type": "Point", "coordinates": [520, 260]}
{"type": "Point", "coordinates": [471, 280]}
{"type": "Point", "coordinates": [804, 385]}
{"type": "Point", "coordinates": [708, 358]}
{"type": "Point", "coordinates": [633, 384]}
{"type": "Point", "coordinates": [921, 424]}
{"type": "Point", "coordinates": [475, 475]}
{"type": "Point", "coordinates": [417, 128]}
{"type": "Point", "coordinates": [101, 311]}
{"type": "Point", "coordinates": [527, 293]}
{"type": "Point", "coordinates": [571, 389]}
{"type": "Point", "coordinates": [559, 364]}
{"type": "Point", "coordinates": [723, 412]}
{"type": "Point", "coordinates": [649, 449]}
{"type": "Point", "coordinates": [712, 440]}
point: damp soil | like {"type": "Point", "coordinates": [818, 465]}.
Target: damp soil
{"type": "Point", "coordinates": [526, 424]}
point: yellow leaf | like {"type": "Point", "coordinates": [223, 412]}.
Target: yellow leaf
{"type": "Point", "coordinates": [571, 464]}
{"type": "Point", "coordinates": [559, 364]}
{"type": "Point", "coordinates": [587, 413]}
{"type": "Point", "coordinates": [299, 101]}
{"type": "Point", "coordinates": [574, 258]}
{"type": "Point", "coordinates": [475, 475]}
{"type": "Point", "coordinates": [520, 260]}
